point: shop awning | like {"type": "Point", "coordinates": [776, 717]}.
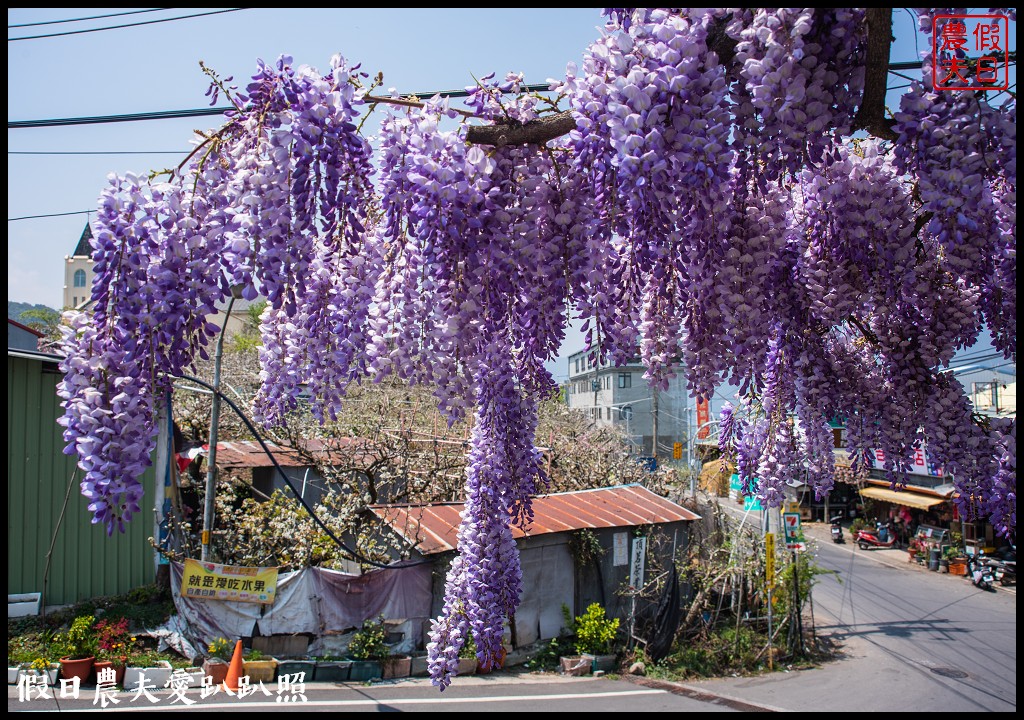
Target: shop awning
{"type": "Point", "coordinates": [902, 497]}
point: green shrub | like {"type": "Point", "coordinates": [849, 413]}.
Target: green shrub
{"type": "Point", "coordinates": [469, 648]}
{"type": "Point", "coordinates": [371, 642]}
{"type": "Point", "coordinates": [80, 641]}
{"type": "Point", "coordinates": [595, 633]}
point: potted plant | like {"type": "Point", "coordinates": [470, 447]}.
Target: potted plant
{"type": "Point", "coordinates": [78, 647]}
{"type": "Point", "coordinates": [332, 669]}
{"type": "Point", "coordinates": [149, 666]}
{"type": "Point", "coordinates": [43, 666]}
{"type": "Point", "coordinates": [913, 548]}
{"type": "Point", "coordinates": [467, 657]}
{"type": "Point", "coordinates": [26, 653]}
{"type": "Point", "coordinates": [369, 650]}
{"type": "Point", "coordinates": [259, 668]}
{"type": "Point", "coordinates": [956, 559]}
{"type": "Point", "coordinates": [216, 665]}
{"type": "Point", "coordinates": [184, 673]}
{"type": "Point", "coordinates": [595, 634]}
{"type": "Point", "coordinates": [114, 645]}
{"type": "Point", "coordinates": [293, 666]}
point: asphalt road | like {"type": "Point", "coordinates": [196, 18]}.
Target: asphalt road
{"type": "Point", "coordinates": [913, 640]}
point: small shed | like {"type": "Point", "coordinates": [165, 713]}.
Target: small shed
{"type": "Point", "coordinates": [22, 337]}
{"type": "Point", "coordinates": [581, 548]}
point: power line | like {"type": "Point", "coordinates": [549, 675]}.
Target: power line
{"type": "Point", "coordinates": [204, 112]}
{"type": "Point", "coordinates": [159, 115]}
{"type": "Point", "coordinates": [34, 217]}
{"type": "Point", "coordinates": [93, 17]}
{"type": "Point", "coordinates": [128, 25]}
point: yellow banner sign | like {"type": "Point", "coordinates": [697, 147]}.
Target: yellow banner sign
{"type": "Point", "coordinates": [769, 559]}
{"type": "Point", "coordinates": [208, 581]}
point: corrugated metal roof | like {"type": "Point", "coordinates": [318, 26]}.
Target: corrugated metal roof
{"type": "Point", "coordinates": [433, 527]}
{"type": "Point", "coordinates": [249, 454]}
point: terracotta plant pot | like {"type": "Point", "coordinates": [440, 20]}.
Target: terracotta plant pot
{"type": "Point", "coordinates": [80, 668]}
{"type": "Point", "coordinates": [117, 666]}
{"type": "Point", "coordinates": [216, 669]}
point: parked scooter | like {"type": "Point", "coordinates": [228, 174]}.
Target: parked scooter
{"type": "Point", "coordinates": [1004, 565]}
{"type": "Point", "coordinates": [837, 530]}
{"type": "Point", "coordinates": [874, 538]}
{"type": "Point", "coordinates": [979, 572]}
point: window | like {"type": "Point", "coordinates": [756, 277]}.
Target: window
{"type": "Point", "coordinates": [577, 364]}
{"type": "Point", "coordinates": [79, 278]}
{"type": "Point", "coordinates": [986, 395]}
{"type": "Point", "coordinates": [625, 380]}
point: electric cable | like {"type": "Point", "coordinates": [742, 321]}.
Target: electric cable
{"type": "Point", "coordinates": [302, 501]}
{"type": "Point", "coordinates": [128, 25]}
{"type": "Point", "coordinates": [83, 19]}
{"type": "Point", "coordinates": [35, 217]}
{"type": "Point", "coordinates": [206, 112]}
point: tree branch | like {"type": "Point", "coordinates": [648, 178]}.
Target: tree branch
{"type": "Point", "coordinates": [535, 132]}
{"type": "Point", "coordinates": [871, 115]}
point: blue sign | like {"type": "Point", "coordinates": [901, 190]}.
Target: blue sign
{"type": "Point", "coordinates": [650, 464]}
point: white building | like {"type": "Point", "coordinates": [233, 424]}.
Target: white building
{"type": "Point", "coordinates": [619, 396]}
{"type": "Point", "coordinates": [991, 385]}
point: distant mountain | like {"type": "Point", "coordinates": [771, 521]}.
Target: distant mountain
{"type": "Point", "coordinates": [15, 309]}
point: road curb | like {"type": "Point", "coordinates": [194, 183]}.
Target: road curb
{"type": "Point", "coordinates": [693, 693]}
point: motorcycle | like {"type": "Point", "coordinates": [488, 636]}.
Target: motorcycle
{"type": "Point", "coordinates": [837, 530]}
{"type": "Point", "coordinates": [979, 572]}
{"type": "Point", "coordinates": [873, 538]}
{"type": "Point", "coordinates": [1004, 565]}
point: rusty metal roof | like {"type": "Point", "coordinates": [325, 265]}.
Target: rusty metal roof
{"type": "Point", "coordinates": [433, 527]}
{"type": "Point", "coordinates": [249, 454]}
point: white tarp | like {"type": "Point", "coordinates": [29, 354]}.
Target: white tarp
{"type": "Point", "coordinates": [310, 601]}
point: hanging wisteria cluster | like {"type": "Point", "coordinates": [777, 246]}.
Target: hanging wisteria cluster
{"type": "Point", "coordinates": [708, 206]}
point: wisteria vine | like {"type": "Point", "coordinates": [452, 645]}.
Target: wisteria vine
{"type": "Point", "coordinates": [709, 205]}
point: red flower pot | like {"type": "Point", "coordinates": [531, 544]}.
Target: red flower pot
{"type": "Point", "coordinates": [80, 668]}
{"type": "Point", "coordinates": [118, 667]}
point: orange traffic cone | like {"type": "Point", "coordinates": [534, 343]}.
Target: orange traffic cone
{"type": "Point", "coordinates": [235, 669]}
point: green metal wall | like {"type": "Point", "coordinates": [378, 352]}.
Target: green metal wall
{"type": "Point", "coordinates": [85, 563]}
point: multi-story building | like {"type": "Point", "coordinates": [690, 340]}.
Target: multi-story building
{"type": "Point", "coordinates": [991, 385]}
{"type": "Point", "coordinates": [619, 396]}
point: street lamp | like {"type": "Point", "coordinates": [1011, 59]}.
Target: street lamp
{"type": "Point", "coordinates": [626, 413]}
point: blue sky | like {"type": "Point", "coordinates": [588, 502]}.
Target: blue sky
{"type": "Point", "coordinates": [156, 68]}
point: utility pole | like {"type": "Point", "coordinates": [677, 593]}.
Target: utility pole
{"type": "Point", "coordinates": [211, 459]}
{"type": "Point", "coordinates": [654, 425]}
